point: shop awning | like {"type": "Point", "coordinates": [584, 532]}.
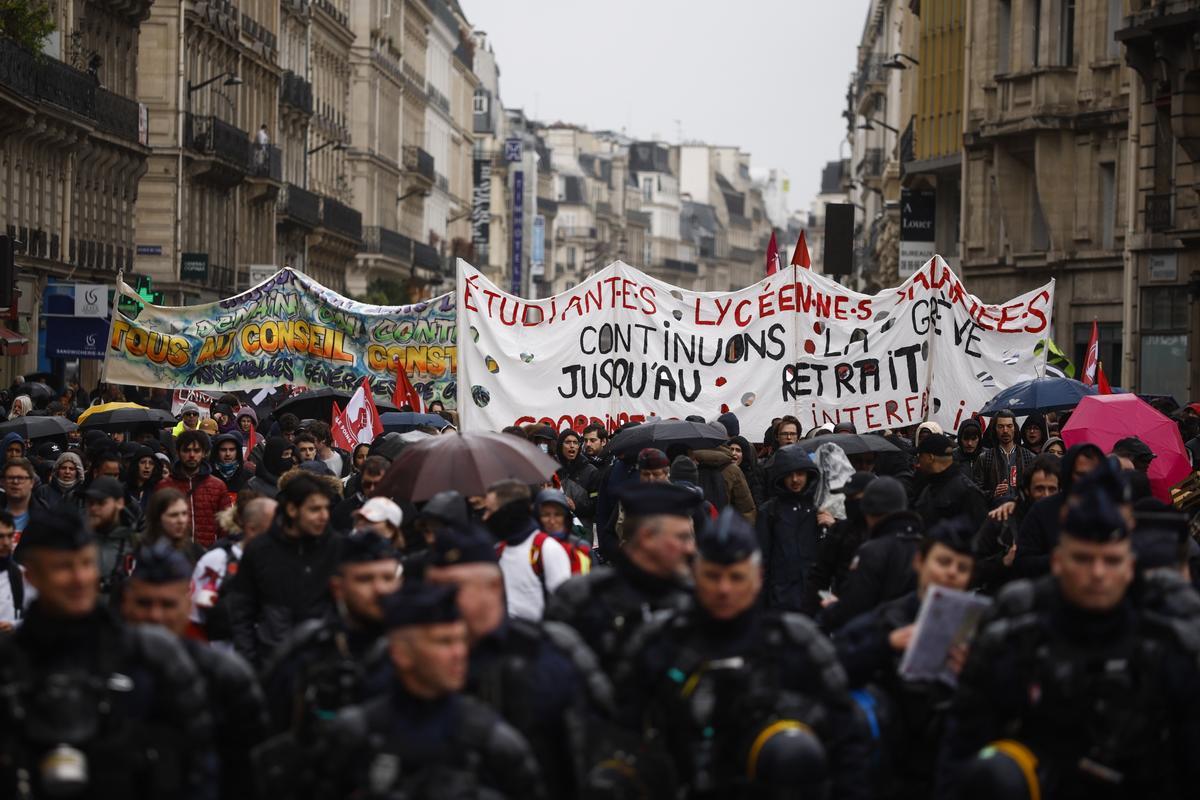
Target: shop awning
{"type": "Point", "coordinates": [12, 343]}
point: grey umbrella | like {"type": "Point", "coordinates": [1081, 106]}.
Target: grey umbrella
{"type": "Point", "coordinates": [465, 462]}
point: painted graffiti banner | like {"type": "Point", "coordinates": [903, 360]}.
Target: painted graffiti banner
{"type": "Point", "coordinates": [289, 329]}
{"type": "Point", "coordinates": [623, 346]}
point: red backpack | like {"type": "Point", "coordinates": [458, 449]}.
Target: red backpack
{"type": "Point", "coordinates": [579, 553]}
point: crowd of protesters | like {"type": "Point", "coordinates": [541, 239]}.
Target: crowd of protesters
{"type": "Point", "coordinates": [604, 598]}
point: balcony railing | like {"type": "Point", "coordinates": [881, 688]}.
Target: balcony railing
{"type": "Point", "coordinates": [1159, 212]}
{"type": "Point", "coordinates": [333, 11]}
{"type": "Point", "coordinates": [66, 87]}
{"type": "Point", "coordinates": [341, 218]}
{"type": "Point", "coordinates": [425, 256]}
{"type": "Point", "coordinates": [216, 137]}
{"type": "Point", "coordinates": [689, 267]}
{"type": "Point", "coordinates": [296, 92]}
{"type": "Point", "coordinates": [387, 242]}
{"type": "Point", "coordinates": [437, 98]}
{"type": "Point", "coordinates": [267, 162]}
{"type": "Point", "coordinates": [419, 162]}
{"type": "Point", "coordinates": [576, 232]}
{"type": "Point", "coordinates": [300, 204]}
{"type": "Point", "coordinates": [117, 115]}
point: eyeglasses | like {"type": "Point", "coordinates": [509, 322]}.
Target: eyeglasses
{"type": "Point", "coordinates": [17, 478]}
{"type": "Point", "coordinates": [191, 413]}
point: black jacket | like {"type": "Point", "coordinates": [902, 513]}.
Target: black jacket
{"type": "Point", "coordinates": [787, 531]}
{"type": "Point", "coordinates": [835, 554]}
{"type": "Point", "coordinates": [281, 581]}
{"type": "Point", "coordinates": [154, 729]}
{"type": "Point", "coordinates": [949, 494]}
{"type": "Point", "coordinates": [990, 469]}
{"type": "Point", "coordinates": [1038, 534]}
{"type": "Point", "coordinates": [882, 569]}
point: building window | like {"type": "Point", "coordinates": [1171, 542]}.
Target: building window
{"type": "Point", "coordinates": [1108, 205]}
{"type": "Point", "coordinates": [1115, 20]}
{"type": "Point", "coordinates": [571, 258]}
{"type": "Point", "coordinates": [1066, 33]}
{"type": "Point", "coordinates": [648, 188]}
{"type": "Point", "coordinates": [1164, 308]}
{"type": "Point", "coordinates": [1108, 337]}
{"type": "Point", "coordinates": [1004, 37]}
{"type": "Point", "coordinates": [1035, 28]}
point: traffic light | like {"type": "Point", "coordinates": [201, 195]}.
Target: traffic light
{"type": "Point", "coordinates": [8, 271]}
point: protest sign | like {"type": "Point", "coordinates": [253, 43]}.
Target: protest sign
{"type": "Point", "coordinates": [623, 345]}
{"type": "Point", "coordinates": [947, 618]}
{"type": "Point", "coordinates": [287, 330]}
{"type": "Point", "coordinates": [202, 399]}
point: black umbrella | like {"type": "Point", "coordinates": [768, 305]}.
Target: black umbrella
{"type": "Point", "coordinates": [120, 419]}
{"type": "Point", "coordinates": [661, 434]}
{"type": "Point", "coordinates": [35, 391]}
{"type": "Point", "coordinates": [851, 443]}
{"type": "Point", "coordinates": [31, 427]}
{"type": "Point", "coordinates": [465, 462]}
{"type": "Point", "coordinates": [48, 378]}
{"type": "Point", "coordinates": [405, 421]}
{"type": "Point", "coordinates": [318, 404]}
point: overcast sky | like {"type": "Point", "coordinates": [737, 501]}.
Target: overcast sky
{"type": "Point", "coordinates": [768, 76]}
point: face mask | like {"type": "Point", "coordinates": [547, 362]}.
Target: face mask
{"type": "Point", "coordinates": [508, 519]}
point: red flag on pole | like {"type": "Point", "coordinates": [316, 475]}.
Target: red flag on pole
{"type": "Point", "coordinates": [800, 254]}
{"type": "Point", "coordinates": [1091, 358]}
{"type": "Point", "coordinates": [772, 255]}
{"type": "Point", "coordinates": [359, 422]}
{"type": "Point", "coordinates": [406, 394]}
{"type": "Point", "coordinates": [1102, 380]}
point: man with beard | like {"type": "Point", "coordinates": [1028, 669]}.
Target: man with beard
{"type": "Point", "coordinates": [192, 475]}
{"type": "Point", "coordinates": [998, 469]}
{"type": "Point", "coordinates": [330, 663]}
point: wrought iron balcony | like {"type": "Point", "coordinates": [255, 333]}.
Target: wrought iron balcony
{"type": "Point", "coordinates": [117, 115]}
{"type": "Point", "coordinates": [267, 162]}
{"type": "Point", "coordinates": [387, 242]}
{"type": "Point", "coordinates": [426, 256]}
{"type": "Point", "coordinates": [216, 137]}
{"type": "Point", "coordinates": [66, 87]}
{"type": "Point", "coordinates": [690, 267]}
{"type": "Point", "coordinates": [341, 218]}
{"type": "Point", "coordinates": [296, 92]}
{"type": "Point", "coordinates": [1159, 212]}
{"type": "Point", "coordinates": [18, 68]}
{"type": "Point", "coordinates": [299, 206]}
{"type": "Point", "coordinates": [419, 163]}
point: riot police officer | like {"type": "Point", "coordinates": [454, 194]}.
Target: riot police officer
{"type": "Point", "coordinates": [158, 592]}
{"type": "Point", "coordinates": [748, 702]}
{"type": "Point", "coordinates": [93, 706]}
{"type": "Point", "coordinates": [909, 715]}
{"type": "Point", "coordinates": [423, 738]}
{"type": "Point", "coordinates": [648, 573]}
{"type": "Point", "coordinates": [540, 677]}
{"type": "Point", "coordinates": [327, 664]}
{"type": "Point", "coordinates": [1075, 689]}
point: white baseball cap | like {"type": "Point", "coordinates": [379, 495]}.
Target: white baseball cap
{"type": "Point", "coordinates": [381, 509]}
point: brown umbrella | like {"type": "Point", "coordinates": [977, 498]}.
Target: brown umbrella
{"type": "Point", "coordinates": [465, 462]}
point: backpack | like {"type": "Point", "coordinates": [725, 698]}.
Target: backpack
{"type": "Point", "coordinates": [579, 553]}
{"type": "Point", "coordinates": [217, 625]}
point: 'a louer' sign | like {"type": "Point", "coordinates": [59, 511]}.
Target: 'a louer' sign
{"type": "Point", "coordinates": [623, 345]}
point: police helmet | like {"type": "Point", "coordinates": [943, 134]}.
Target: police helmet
{"type": "Point", "coordinates": [1004, 770]}
{"type": "Point", "coordinates": [786, 756]}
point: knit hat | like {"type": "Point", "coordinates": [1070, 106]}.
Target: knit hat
{"type": "Point", "coordinates": [684, 469]}
{"type": "Point", "coordinates": [651, 458]}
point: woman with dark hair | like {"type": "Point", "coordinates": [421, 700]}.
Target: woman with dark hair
{"type": "Point", "coordinates": [169, 517]}
{"type": "Point", "coordinates": [744, 457]}
{"type": "Point", "coordinates": [143, 471]}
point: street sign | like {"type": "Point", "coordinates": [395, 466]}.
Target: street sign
{"type": "Point", "coordinates": [918, 209]}
{"type": "Point", "coordinates": [91, 300]}
{"type": "Point", "coordinates": [149, 249]}
{"type": "Point", "coordinates": [193, 267]}
{"type": "Point", "coordinates": [518, 229]}
{"type": "Point", "coordinates": [513, 150]}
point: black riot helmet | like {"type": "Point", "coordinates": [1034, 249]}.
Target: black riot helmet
{"type": "Point", "coordinates": [787, 760]}
{"type": "Point", "coordinates": [1004, 770]}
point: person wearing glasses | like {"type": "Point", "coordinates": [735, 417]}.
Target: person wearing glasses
{"type": "Point", "coordinates": [19, 477]}
{"type": "Point", "coordinates": [189, 418]}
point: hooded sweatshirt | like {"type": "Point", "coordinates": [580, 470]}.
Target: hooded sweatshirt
{"type": "Point", "coordinates": [755, 475]}
{"type": "Point", "coordinates": [234, 475]}
{"type": "Point", "coordinates": [787, 531]}
{"type": "Point", "coordinates": [55, 493]}
{"type": "Point", "coordinates": [1039, 531]}
{"type": "Point", "coordinates": [1034, 420]}
{"type": "Point", "coordinates": [266, 478]}
{"type": "Point", "coordinates": [965, 460]}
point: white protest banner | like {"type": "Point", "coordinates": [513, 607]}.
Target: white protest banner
{"type": "Point", "coordinates": [623, 346]}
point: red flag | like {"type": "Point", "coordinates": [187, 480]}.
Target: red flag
{"type": "Point", "coordinates": [359, 422]}
{"type": "Point", "coordinates": [772, 255]}
{"type": "Point", "coordinates": [249, 443]}
{"type": "Point", "coordinates": [1091, 358]}
{"type": "Point", "coordinates": [406, 394]}
{"type": "Point", "coordinates": [800, 254]}
{"type": "Point", "coordinates": [1102, 380]}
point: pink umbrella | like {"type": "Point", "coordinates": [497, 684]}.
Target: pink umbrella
{"type": "Point", "coordinates": [1104, 419]}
